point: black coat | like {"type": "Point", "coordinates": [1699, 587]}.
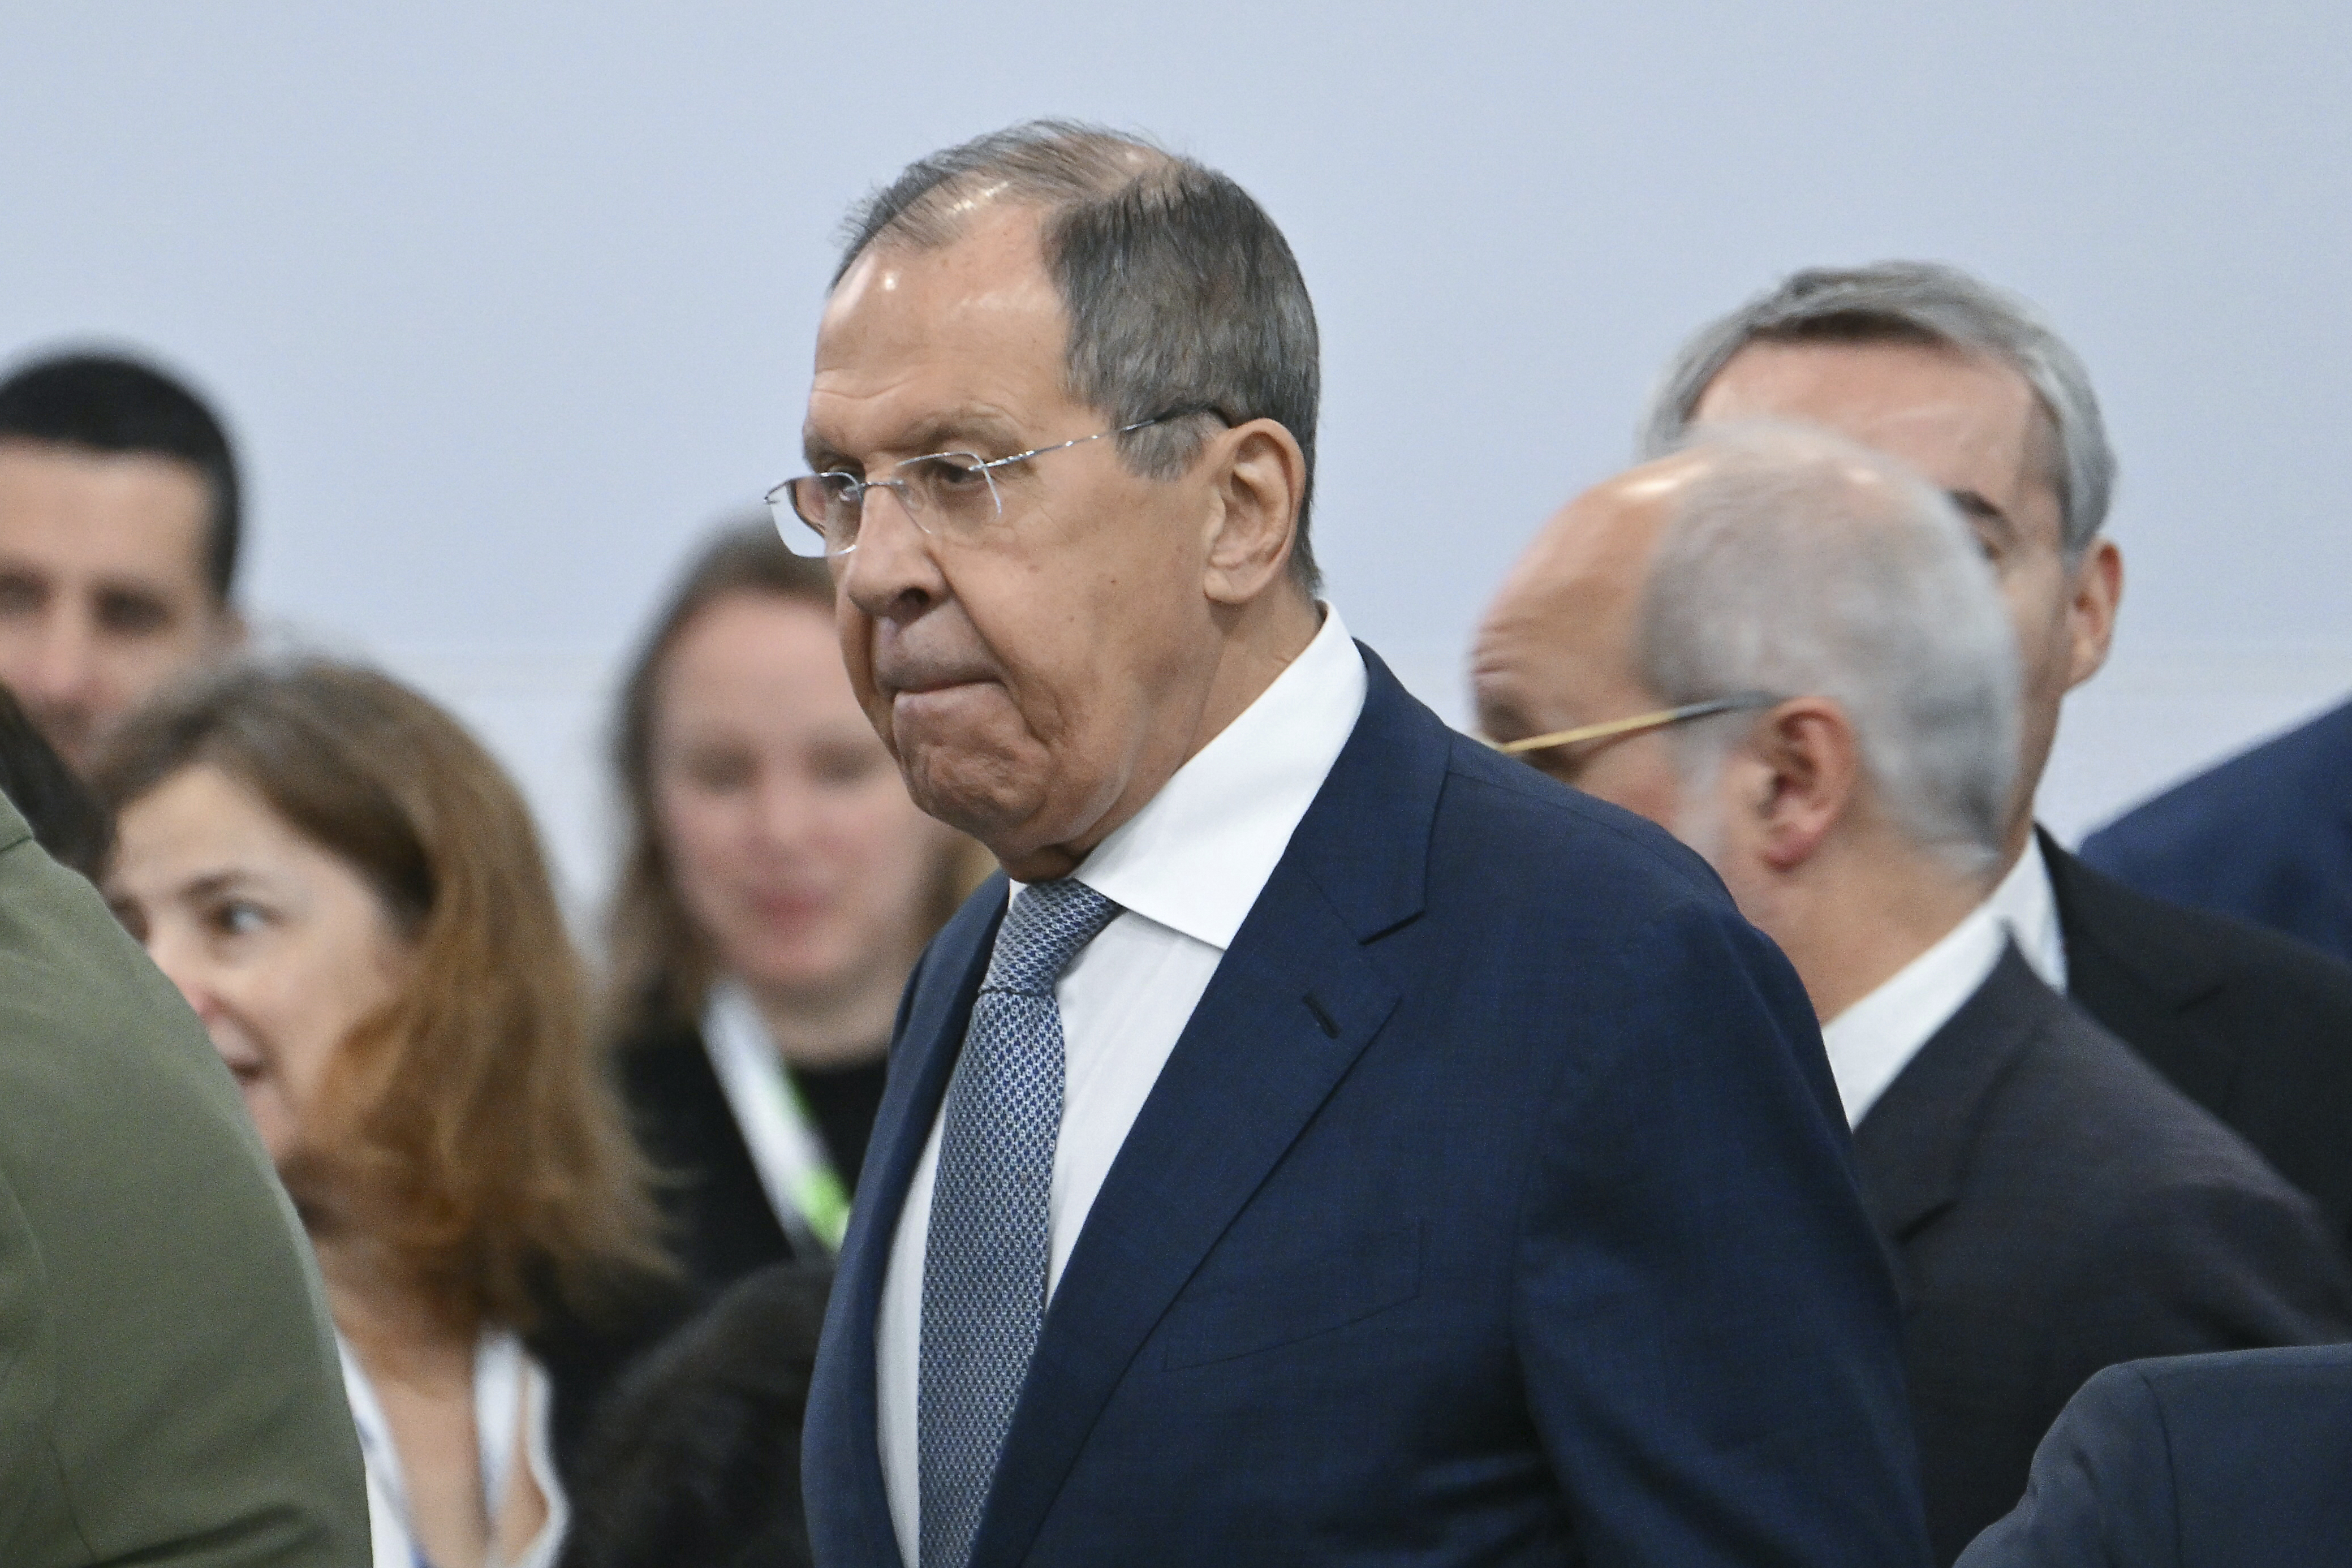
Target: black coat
{"type": "Point", "coordinates": [2052, 1207]}
{"type": "Point", "coordinates": [721, 1225]}
{"type": "Point", "coordinates": [2254, 1027]}
{"type": "Point", "coordinates": [2210, 1461]}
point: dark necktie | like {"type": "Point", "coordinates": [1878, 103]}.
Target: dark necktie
{"type": "Point", "coordinates": [988, 1250]}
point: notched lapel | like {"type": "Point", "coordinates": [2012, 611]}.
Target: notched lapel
{"type": "Point", "coordinates": [1296, 998]}
{"type": "Point", "coordinates": [1911, 1151]}
{"type": "Point", "coordinates": [1293, 1004]}
{"type": "Point", "coordinates": [2116, 937]}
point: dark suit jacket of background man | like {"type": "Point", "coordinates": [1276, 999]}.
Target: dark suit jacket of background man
{"type": "Point", "coordinates": [1499, 1154]}
{"type": "Point", "coordinates": [168, 1391]}
{"type": "Point", "coordinates": [2254, 1027]}
{"type": "Point", "coordinates": [2055, 1207]}
{"type": "Point", "coordinates": [2266, 837]}
{"type": "Point", "coordinates": [2241, 1461]}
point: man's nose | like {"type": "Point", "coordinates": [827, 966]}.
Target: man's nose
{"type": "Point", "coordinates": [59, 670]}
{"type": "Point", "coordinates": [892, 572]}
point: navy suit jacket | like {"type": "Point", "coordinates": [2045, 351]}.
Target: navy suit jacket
{"type": "Point", "coordinates": [2266, 837]}
{"type": "Point", "coordinates": [1493, 1207]}
{"type": "Point", "coordinates": [2237, 1460]}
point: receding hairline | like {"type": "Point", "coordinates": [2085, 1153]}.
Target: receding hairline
{"type": "Point", "coordinates": [1878, 324]}
{"type": "Point", "coordinates": [1101, 165]}
{"type": "Point", "coordinates": [2044, 449]}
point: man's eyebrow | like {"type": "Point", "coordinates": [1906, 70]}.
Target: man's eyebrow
{"type": "Point", "coordinates": [948, 432]}
{"type": "Point", "coordinates": [1501, 715]}
{"type": "Point", "coordinates": [821, 456]}
{"type": "Point", "coordinates": [133, 587]}
{"type": "Point", "coordinates": [1973, 505]}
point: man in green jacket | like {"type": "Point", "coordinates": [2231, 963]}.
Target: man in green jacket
{"type": "Point", "coordinates": [169, 1390]}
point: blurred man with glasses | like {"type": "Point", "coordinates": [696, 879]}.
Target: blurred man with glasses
{"type": "Point", "coordinates": [1826, 696]}
{"type": "Point", "coordinates": [1968, 385]}
{"type": "Point", "coordinates": [1336, 1144]}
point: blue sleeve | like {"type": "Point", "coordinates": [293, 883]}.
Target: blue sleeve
{"type": "Point", "coordinates": [2101, 1494]}
{"type": "Point", "coordinates": [1707, 1332]}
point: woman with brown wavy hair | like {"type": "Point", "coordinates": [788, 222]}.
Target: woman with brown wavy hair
{"type": "Point", "coordinates": [776, 889]}
{"type": "Point", "coordinates": [352, 896]}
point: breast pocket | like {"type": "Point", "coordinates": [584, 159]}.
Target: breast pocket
{"type": "Point", "coordinates": [1295, 1298]}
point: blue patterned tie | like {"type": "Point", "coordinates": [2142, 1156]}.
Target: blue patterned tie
{"type": "Point", "coordinates": [986, 1257]}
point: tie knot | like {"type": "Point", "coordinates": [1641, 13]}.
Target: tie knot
{"type": "Point", "coordinates": [1043, 931]}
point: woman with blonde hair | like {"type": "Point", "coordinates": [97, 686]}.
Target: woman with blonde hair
{"type": "Point", "coordinates": [776, 891]}
{"type": "Point", "coordinates": [352, 896]}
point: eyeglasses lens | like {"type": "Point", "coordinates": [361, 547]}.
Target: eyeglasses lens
{"type": "Point", "coordinates": [947, 492]}
{"type": "Point", "coordinates": [950, 493]}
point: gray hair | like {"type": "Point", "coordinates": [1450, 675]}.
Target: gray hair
{"type": "Point", "coordinates": [1914, 301]}
{"type": "Point", "coordinates": [1182, 293]}
{"type": "Point", "coordinates": [1799, 564]}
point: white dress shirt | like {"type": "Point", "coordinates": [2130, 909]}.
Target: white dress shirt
{"type": "Point", "coordinates": [2025, 903]}
{"type": "Point", "coordinates": [1185, 869]}
{"type": "Point", "coordinates": [1871, 1042]}
{"type": "Point", "coordinates": [512, 1401]}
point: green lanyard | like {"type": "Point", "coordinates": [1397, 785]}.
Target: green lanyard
{"type": "Point", "coordinates": [807, 1193]}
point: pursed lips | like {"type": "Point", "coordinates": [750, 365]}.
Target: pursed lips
{"type": "Point", "coordinates": [904, 677]}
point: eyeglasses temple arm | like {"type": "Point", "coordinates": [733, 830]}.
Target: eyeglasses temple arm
{"type": "Point", "coordinates": [1659, 720]}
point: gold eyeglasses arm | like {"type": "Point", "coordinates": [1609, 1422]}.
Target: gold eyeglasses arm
{"type": "Point", "coordinates": [1657, 721]}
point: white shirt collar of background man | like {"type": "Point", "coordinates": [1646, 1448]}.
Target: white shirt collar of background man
{"type": "Point", "coordinates": [2028, 906]}
{"type": "Point", "coordinates": [1873, 1041]}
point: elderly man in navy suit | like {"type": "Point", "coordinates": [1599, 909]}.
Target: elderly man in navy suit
{"type": "Point", "coordinates": [2052, 1204]}
{"type": "Point", "coordinates": [1966, 385]}
{"type": "Point", "coordinates": [2239, 1459]}
{"type": "Point", "coordinates": [1338, 1144]}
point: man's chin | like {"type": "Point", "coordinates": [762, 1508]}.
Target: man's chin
{"type": "Point", "coordinates": [977, 793]}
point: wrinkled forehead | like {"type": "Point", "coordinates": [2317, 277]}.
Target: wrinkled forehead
{"type": "Point", "coordinates": [141, 517]}
{"type": "Point", "coordinates": [1965, 420]}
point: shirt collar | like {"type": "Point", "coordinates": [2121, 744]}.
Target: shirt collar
{"type": "Point", "coordinates": [2027, 905]}
{"type": "Point", "coordinates": [1871, 1042]}
{"type": "Point", "coordinates": [1199, 853]}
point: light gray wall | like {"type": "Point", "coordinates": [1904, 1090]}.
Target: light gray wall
{"type": "Point", "coordinates": [506, 302]}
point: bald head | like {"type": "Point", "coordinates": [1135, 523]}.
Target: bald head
{"type": "Point", "coordinates": [1852, 802]}
{"type": "Point", "coordinates": [1559, 649]}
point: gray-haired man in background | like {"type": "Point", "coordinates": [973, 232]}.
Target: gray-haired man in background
{"type": "Point", "coordinates": [1968, 385]}
{"type": "Point", "coordinates": [1833, 695]}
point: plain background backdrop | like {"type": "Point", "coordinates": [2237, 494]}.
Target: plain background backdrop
{"type": "Point", "coordinates": [508, 303]}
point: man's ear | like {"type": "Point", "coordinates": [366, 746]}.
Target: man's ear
{"type": "Point", "coordinates": [2098, 590]}
{"type": "Point", "coordinates": [1808, 765]}
{"type": "Point", "coordinates": [1259, 482]}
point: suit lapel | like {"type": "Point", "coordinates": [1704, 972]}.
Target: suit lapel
{"type": "Point", "coordinates": [2128, 966]}
{"type": "Point", "coordinates": [1295, 1001]}
{"type": "Point", "coordinates": [1911, 1151]}
{"type": "Point", "coordinates": [2121, 945]}
{"type": "Point", "coordinates": [930, 1035]}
